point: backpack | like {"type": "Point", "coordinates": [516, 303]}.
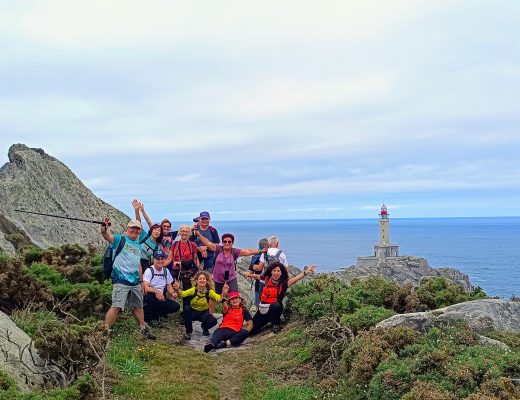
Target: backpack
{"type": "Point", "coordinates": [271, 259]}
{"type": "Point", "coordinates": [110, 256]}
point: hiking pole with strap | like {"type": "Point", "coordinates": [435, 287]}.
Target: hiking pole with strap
{"type": "Point", "coordinates": [63, 217]}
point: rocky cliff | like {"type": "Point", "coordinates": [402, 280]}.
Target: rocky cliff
{"type": "Point", "coordinates": [33, 180]}
{"type": "Point", "coordinates": [405, 269]}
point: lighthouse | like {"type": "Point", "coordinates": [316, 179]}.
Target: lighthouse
{"type": "Point", "coordinates": [384, 249]}
{"type": "Point", "coordinates": [383, 226]}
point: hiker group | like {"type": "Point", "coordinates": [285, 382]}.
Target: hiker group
{"type": "Point", "coordinates": [151, 270]}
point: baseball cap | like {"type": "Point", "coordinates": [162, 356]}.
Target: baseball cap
{"type": "Point", "coordinates": [232, 295]}
{"type": "Point", "coordinates": [204, 214]}
{"type": "Point", "coordinates": [134, 224]}
{"type": "Point", "coordinates": [159, 254]}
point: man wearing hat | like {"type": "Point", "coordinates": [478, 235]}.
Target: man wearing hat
{"type": "Point", "coordinates": [202, 223]}
{"type": "Point", "coordinates": [157, 282]}
{"type": "Point", "coordinates": [126, 275]}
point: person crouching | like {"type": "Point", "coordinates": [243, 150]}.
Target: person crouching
{"type": "Point", "coordinates": [157, 282]}
{"type": "Point", "coordinates": [197, 308]}
{"type": "Point", "coordinates": [231, 331]}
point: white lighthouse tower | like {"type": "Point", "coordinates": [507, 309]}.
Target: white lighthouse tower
{"type": "Point", "coordinates": [384, 249]}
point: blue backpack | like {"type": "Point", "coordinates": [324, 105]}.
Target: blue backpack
{"type": "Point", "coordinates": [110, 255]}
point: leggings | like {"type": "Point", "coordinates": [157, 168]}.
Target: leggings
{"type": "Point", "coordinates": [273, 316]}
{"type": "Point", "coordinates": [155, 309]}
{"type": "Point", "coordinates": [190, 315]}
{"type": "Point", "coordinates": [235, 338]}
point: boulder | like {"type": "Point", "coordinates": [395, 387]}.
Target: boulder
{"type": "Point", "coordinates": [20, 360]}
{"type": "Point", "coordinates": [406, 269]}
{"type": "Point", "coordinates": [480, 315]}
{"type": "Point", "coordinates": [34, 181]}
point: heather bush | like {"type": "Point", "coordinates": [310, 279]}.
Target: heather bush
{"type": "Point", "coordinates": [439, 292]}
{"type": "Point", "coordinates": [366, 317]}
{"type": "Point", "coordinates": [32, 254]}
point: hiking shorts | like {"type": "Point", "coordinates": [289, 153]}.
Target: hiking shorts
{"type": "Point", "coordinates": [123, 295]}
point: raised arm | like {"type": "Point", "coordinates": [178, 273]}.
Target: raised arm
{"type": "Point", "coordinates": [146, 217]}
{"type": "Point", "coordinates": [137, 205]}
{"type": "Point", "coordinates": [301, 275]}
{"type": "Point", "coordinates": [205, 242]}
{"type": "Point", "coordinates": [105, 231]}
{"type": "Point", "coordinates": [251, 252]}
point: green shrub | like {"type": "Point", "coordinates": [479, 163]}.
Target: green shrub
{"type": "Point", "coordinates": [439, 292]}
{"type": "Point", "coordinates": [6, 381]}
{"type": "Point", "coordinates": [366, 317]}
{"type": "Point", "coordinates": [46, 274]}
{"type": "Point", "coordinates": [32, 254]}
{"type": "Point", "coordinates": [392, 380]}
{"type": "Point", "coordinates": [30, 321]}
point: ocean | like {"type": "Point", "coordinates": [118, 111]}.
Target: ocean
{"type": "Point", "coordinates": [484, 248]}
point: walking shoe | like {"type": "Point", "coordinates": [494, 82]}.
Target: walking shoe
{"type": "Point", "coordinates": [187, 336]}
{"type": "Point", "coordinates": [205, 332]}
{"type": "Point", "coordinates": [209, 347]}
{"type": "Point", "coordinates": [276, 328]}
{"type": "Point", "coordinates": [147, 332]}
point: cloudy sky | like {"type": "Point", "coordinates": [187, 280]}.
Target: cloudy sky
{"type": "Point", "coordinates": [271, 110]}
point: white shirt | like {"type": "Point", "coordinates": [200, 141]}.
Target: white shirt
{"type": "Point", "coordinates": [272, 252]}
{"type": "Point", "coordinates": [159, 281]}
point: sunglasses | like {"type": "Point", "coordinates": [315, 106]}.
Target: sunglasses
{"type": "Point", "coordinates": [134, 227]}
{"type": "Point", "coordinates": [204, 219]}
{"type": "Point", "coordinates": [227, 241]}
{"type": "Point", "coordinates": [160, 259]}
{"type": "Point", "coordinates": [166, 226]}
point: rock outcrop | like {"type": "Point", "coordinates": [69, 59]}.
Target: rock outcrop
{"type": "Point", "coordinates": [33, 180]}
{"type": "Point", "coordinates": [20, 363]}
{"type": "Point", "coordinates": [406, 269]}
{"type": "Point", "coordinates": [480, 315]}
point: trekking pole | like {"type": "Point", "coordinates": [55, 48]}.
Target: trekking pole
{"type": "Point", "coordinates": [63, 217]}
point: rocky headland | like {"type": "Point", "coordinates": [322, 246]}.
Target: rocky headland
{"type": "Point", "coordinates": [33, 180]}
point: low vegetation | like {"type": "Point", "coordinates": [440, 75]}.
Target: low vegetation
{"type": "Point", "coordinates": [328, 349]}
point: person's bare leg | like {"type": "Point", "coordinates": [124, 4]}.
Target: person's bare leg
{"type": "Point", "coordinates": [111, 316]}
{"type": "Point", "coordinates": [139, 315]}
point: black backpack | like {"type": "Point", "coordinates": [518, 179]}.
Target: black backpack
{"type": "Point", "coordinates": [271, 259]}
{"type": "Point", "coordinates": [110, 255]}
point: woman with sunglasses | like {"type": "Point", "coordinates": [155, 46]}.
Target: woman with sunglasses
{"type": "Point", "coordinates": [276, 282]}
{"type": "Point", "coordinates": [226, 255]}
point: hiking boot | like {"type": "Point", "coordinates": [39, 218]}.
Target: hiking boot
{"type": "Point", "coordinates": [147, 332]}
{"type": "Point", "coordinates": [187, 336]}
{"type": "Point", "coordinates": [209, 347]}
{"type": "Point", "coordinates": [276, 328]}
{"type": "Point", "coordinates": [205, 332]}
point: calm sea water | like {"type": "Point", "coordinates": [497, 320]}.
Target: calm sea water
{"type": "Point", "coordinates": [484, 248]}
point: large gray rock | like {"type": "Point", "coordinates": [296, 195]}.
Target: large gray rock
{"type": "Point", "coordinates": [402, 270]}
{"type": "Point", "coordinates": [33, 180]}
{"type": "Point", "coordinates": [480, 315]}
{"type": "Point", "coordinates": [15, 358]}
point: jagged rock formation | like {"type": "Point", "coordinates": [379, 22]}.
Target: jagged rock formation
{"type": "Point", "coordinates": [480, 315]}
{"type": "Point", "coordinates": [19, 358]}
{"type": "Point", "coordinates": [406, 269]}
{"type": "Point", "coordinates": [33, 180]}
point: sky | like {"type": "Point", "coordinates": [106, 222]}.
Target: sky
{"type": "Point", "coordinates": [274, 109]}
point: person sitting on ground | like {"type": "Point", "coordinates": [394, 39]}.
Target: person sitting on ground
{"type": "Point", "coordinates": [226, 256]}
{"type": "Point", "coordinates": [198, 297]}
{"type": "Point", "coordinates": [276, 282]}
{"type": "Point", "coordinates": [159, 293]}
{"type": "Point", "coordinates": [206, 256]}
{"type": "Point", "coordinates": [255, 267]}
{"type": "Point", "coordinates": [126, 274]}
{"type": "Point", "coordinates": [231, 331]}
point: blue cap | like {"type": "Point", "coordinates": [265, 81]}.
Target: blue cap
{"type": "Point", "coordinates": [159, 254]}
{"type": "Point", "coordinates": [204, 214]}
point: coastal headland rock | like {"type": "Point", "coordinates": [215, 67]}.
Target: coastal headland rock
{"type": "Point", "coordinates": [34, 181]}
{"type": "Point", "coordinates": [405, 269]}
{"type": "Point", "coordinates": [480, 315]}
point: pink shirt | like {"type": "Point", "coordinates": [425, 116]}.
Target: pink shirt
{"type": "Point", "coordinates": [225, 263]}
